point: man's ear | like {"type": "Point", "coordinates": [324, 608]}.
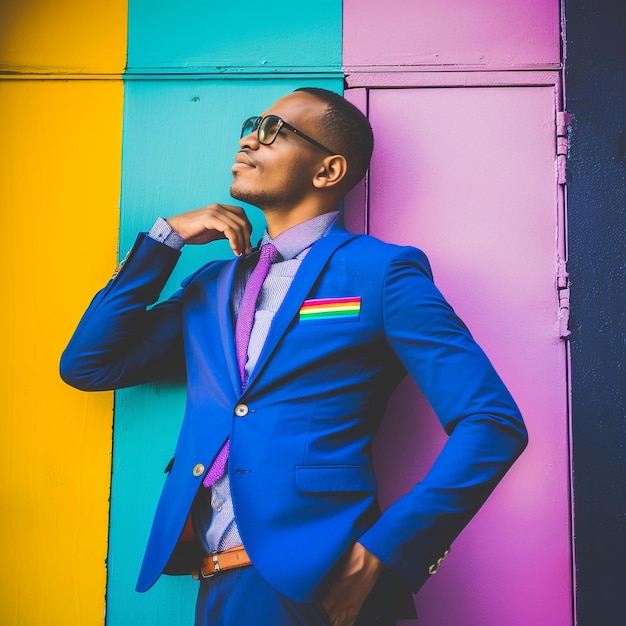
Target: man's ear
{"type": "Point", "coordinates": [332, 171]}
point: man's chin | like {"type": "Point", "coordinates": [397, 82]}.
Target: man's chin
{"type": "Point", "coordinates": [246, 196]}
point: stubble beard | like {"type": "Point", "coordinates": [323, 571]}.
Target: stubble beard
{"type": "Point", "coordinates": [257, 198]}
{"type": "Point", "coordinates": [262, 198]}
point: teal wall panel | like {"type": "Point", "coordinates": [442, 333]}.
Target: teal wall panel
{"type": "Point", "coordinates": [234, 35]}
{"type": "Point", "coordinates": [180, 138]}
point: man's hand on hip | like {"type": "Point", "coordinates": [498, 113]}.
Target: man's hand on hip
{"type": "Point", "coordinates": [357, 578]}
{"type": "Point", "coordinates": [216, 221]}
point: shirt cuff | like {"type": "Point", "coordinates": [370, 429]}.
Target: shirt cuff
{"type": "Point", "coordinates": [164, 233]}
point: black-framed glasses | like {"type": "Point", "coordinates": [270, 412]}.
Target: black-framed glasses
{"type": "Point", "coordinates": [268, 128]}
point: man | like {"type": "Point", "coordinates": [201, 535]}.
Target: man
{"type": "Point", "coordinates": [291, 352]}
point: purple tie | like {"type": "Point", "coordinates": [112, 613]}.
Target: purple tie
{"type": "Point", "coordinates": [247, 307]}
{"type": "Point", "coordinates": [243, 330]}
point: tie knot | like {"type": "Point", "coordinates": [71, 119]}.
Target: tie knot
{"type": "Point", "coordinates": [268, 253]}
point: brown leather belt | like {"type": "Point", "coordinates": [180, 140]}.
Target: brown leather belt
{"type": "Point", "coordinates": [221, 561]}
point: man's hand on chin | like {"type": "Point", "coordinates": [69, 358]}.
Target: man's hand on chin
{"type": "Point", "coordinates": [346, 596]}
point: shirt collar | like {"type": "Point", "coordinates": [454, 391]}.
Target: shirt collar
{"type": "Point", "coordinates": [296, 239]}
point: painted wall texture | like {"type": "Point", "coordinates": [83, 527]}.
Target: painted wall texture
{"type": "Point", "coordinates": [397, 35]}
{"type": "Point", "coordinates": [596, 94]}
{"type": "Point", "coordinates": [113, 113]}
{"type": "Point", "coordinates": [463, 97]}
{"type": "Point", "coordinates": [60, 157]}
{"type": "Point", "coordinates": [181, 132]}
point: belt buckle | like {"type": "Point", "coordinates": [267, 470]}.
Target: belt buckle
{"type": "Point", "coordinates": [216, 567]}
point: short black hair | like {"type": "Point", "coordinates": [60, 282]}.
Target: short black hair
{"type": "Point", "coordinates": [346, 129]}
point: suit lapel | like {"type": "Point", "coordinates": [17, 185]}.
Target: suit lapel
{"type": "Point", "coordinates": [308, 274]}
{"type": "Point", "coordinates": [227, 329]}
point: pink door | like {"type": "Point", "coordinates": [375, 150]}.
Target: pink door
{"type": "Point", "coordinates": [468, 174]}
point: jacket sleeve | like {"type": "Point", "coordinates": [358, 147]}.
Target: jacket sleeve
{"type": "Point", "coordinates": [119, 341]}
{"type": "Point", "coordinates": [485, 428]}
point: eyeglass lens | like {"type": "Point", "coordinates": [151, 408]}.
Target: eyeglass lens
{"type": "Point", "coordinates": [267, 128]}
{"type": "Point", "coordinates": [250, 125]}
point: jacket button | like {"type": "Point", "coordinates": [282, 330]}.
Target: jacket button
{"type": "Point", "coordinates": [198, 470]}
{"type": "Point", "coordinates": [241, 410]}
{"type": "Point", "coordinates": [435, 566]}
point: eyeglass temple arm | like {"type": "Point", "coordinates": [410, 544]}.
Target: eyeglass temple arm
{"type": "Point", "coordinates": [309, 139]}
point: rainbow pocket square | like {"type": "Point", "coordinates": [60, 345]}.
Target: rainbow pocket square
{"type": "Point", "coordinates": [328, 309]}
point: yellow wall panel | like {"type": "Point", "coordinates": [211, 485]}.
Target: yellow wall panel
{"type": "Point", "coordinates": [60, 163]}
{"type": "Point", "coordinates": [61, 36]}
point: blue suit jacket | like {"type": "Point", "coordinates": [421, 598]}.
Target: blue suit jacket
{"type": "Point", "coordinates": [312, 405]}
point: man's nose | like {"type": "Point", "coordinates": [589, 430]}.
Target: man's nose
{"type": "Point", "coordinates": [250, 141]}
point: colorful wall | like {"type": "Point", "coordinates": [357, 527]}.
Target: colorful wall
{"type": "Point", "coordinates": [112, 113]}
{"type": "Point", "coordinates": [596, 92]}
{"type": "Point", "coordinates": [61, 104]}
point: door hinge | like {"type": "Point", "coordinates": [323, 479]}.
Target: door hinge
{"type": "Point", "coordinates": [563, 121]}
{"type": "Point", "coordinates": [562, 287]}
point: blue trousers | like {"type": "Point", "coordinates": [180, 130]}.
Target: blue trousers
{"type": "Point", "coordinates": [240, 597]}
